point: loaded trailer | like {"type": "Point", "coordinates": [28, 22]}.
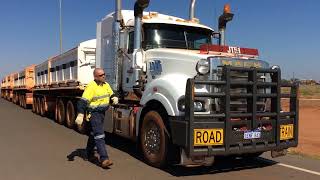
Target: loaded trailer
{"type": "Point", "coordinates": [3, 85]}
{"type": "Point", "coordinates": [60, 81]}
{"type": "Point", "coordinates": [7, 87]}
{"type": "Point", "coordinates": [23, 86]}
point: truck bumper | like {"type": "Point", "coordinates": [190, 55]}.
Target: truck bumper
{"type": "Point", "coordinates": [272, 138]}
{"type": "Point", "coordinates": [237, 145]}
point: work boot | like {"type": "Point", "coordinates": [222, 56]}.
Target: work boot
{"type": "Point", "coordinates": [106, 163]}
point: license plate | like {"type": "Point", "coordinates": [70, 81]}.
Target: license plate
{"type": "Point", "coordinates": [252, 135]}
{"type": "Point", "coordinates": [208, 137]}
{"type": "Point", "coordinates": [286, 131]}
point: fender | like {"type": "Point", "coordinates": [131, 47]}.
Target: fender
{"type": "Point", "coordinates": [160, 98]}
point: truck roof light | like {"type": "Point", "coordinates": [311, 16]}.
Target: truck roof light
{"type": "Point", "coordinates": [181, 20]}
{"type": "Point", "coordinates": [226, 8]}
{"type": "Point", "coordinates": [153, 14]}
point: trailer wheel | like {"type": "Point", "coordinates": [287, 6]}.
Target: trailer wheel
{"type": "Point", "coordinates": [24, 101]}
{"type": "Point", "coordinates": [154, 139]}
{"type": "Point", "coordinates": [71, 115]}
{"type": "Point", "coordinates": [33, 104]}
{"type": "Point", "coordinates": [15, 97]}
{"type": "Point", "coordinates": [61, 112]}
{"type": "Point", "coordinates": [42, 107]}
{"type": "Point", "coordinates": [19, 100]}
{"type": "Point", "coordinates": [37, 105]}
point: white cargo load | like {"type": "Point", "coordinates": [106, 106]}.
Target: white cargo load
{"type": "Point", "coordinates": [72, 68]}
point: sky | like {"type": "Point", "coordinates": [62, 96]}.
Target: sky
{"type": "Point", "coordinates": [286, 32]}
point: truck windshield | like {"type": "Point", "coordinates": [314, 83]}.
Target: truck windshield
{"type": "Point", "coordinates": [175, 36]}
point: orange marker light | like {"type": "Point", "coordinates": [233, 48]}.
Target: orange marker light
{"type": "Point", "coordinates": [227, 8]}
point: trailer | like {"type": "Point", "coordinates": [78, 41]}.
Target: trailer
{"type": "Point", "coordinates": [23, 86]}
{"type": "Point", "coordinates": [3, 85]}
{"type": "Point", "coordinates": [60, 81]}
{"type": "Point", "coordinates": [7, 87]}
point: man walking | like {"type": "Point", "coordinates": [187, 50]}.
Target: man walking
{"type": "Point", "coordinates": [95, 99]}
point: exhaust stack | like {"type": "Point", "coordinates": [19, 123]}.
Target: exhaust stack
{"type": "Point", "coordinates": [223, 20]}
{"type": "Point", "coordinates": [137, 62]}
{"type": "Point", "coordinates": [116, 42]}
{"type": "Point", "coordinates": [191, 9]}
{"type": "Point", "coordinates": [139, 6]}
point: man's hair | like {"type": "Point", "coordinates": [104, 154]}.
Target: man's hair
{"type": "Point", "coordinates": [95, 71]}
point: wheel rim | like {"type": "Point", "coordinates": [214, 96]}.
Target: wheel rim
{"type": "Point", "coordinates": [152, 138]}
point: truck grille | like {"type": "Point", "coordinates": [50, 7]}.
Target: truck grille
{"type": "Point", "coordinates": [240, 105]}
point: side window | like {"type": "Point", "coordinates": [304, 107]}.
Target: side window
{"type": "Point", "coordinates": [131, 42]}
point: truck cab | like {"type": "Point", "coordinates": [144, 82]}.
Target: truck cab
{"type": "Point", "coordinates": [185, 99]}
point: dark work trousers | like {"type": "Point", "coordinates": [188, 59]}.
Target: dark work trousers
{"type": "Point", "coordinates": [96, 136]}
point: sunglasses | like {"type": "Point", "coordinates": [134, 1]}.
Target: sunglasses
{"type": "Point", "coordinates": [102, 75]}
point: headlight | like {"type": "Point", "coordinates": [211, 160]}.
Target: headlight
{"type": "Point", "coordinates": [198, 105]}
{"type": "Point", "coordinates": [203, 66]}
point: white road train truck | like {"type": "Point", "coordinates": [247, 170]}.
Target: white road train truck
{"type": "Point", "coordinates": [60, 81]}
{"type": "Point", "coordinates": [185, 99]}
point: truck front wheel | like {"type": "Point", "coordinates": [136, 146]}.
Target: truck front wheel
{"type": "Point", "coordinates": [154, 139]}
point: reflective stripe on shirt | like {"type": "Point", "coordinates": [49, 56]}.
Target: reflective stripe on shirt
{"type": "Point", "coordinates": [100, 97]}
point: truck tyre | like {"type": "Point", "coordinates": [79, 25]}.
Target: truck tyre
{"type": "Point", "coordinates": [24, 102]}
{"type": "Point", "coordinates": [38, 105]}
{"type": "Point", "coordinates": [42, 107]}
{"type": "Point", "coordinates": [33, 105]}
{"type": "Point", "coordinates": [19, 100]}
{"type": "Point", "coordinates": [154, 139]}
{"type": "Point", "coordinates": [71, 115]}
{"type": "Point", "coordinates": [61, 112]}
{"type": "Point", "coordinates": [14, 98]}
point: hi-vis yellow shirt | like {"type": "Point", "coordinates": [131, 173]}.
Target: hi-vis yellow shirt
{"type": "Point", "coordinates": [97, 96]}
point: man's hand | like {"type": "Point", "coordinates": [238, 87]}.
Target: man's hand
{"type": "Point", "coordinates": [79, 119]}
{"type": "Point", "coordinates": [115, 100]}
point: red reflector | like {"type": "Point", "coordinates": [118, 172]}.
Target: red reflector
{"type": "Point", "coordinates": [206, 48]}
{"type": "Point", "coordinates": [155, 89]}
